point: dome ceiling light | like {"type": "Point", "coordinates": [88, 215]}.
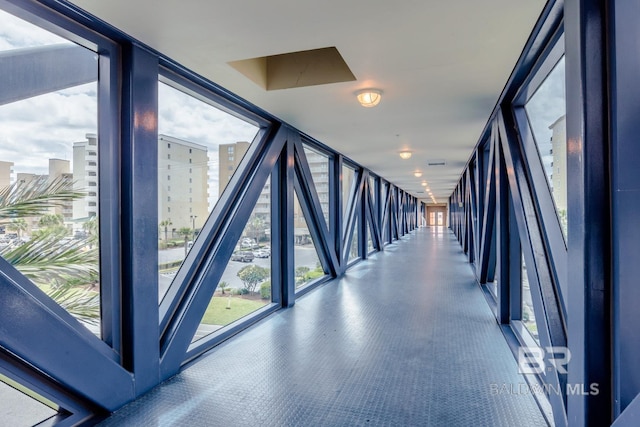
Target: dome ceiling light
{"type": "Point", "coordinates": [369, 97]}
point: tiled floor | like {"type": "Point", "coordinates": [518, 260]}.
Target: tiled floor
{"type": "Point", "coordinates": [404, 339]}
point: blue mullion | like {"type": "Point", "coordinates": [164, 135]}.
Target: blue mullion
{"type": "Point", "coordinates": [363, 233]}
{"type": "Point", "coordinates": [335, 209]}
{"type": "Point", "coordinates": [504, 239]}
{"type": "Point", "coordinates": [285, 233]}
{"type": "Point", "coordinates": [602, 95]}
{"type": "Point", "coordinates": [216, 246]}
{"type": "Point", "coordinates": [140, 333]}
{"type": "Point", "coordinates": [487, 231]}
{"type": "Point", "coordinates": [310, 203]}
{"type": "Point", "coordinates": [547, 308]}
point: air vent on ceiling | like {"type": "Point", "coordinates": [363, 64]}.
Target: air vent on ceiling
{"type": "Point", "coordinates": [436, 162]}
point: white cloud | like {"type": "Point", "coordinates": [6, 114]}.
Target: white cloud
{"type": "Point", "coordinates": [36, 129]}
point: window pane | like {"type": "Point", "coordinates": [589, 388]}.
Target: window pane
{"type": "Point", "coordinates": [348, 175]}
{"type": "Point", "coordinates": [528, 314]}
{"type": "Point", "coordinates": [49, 149]}
{"type": "Point", "coordinates": [194, 167]}
{"type": "Point", "coordinates": [245, 285]}
{"type": "Point", "coordinates": [319, 165]}
{"type": "Point", "coordinates": [370, 247]}
{"type": "Point", "coordinates": [546, 112]}
{"type": "Point", "coordinates": [353, 249]}
{"type": "Point", "coordinates": [307, 262]}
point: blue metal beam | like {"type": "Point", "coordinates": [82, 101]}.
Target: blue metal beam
{"type": "Point", "coordinates": [34, 71]}
{"type": "Point", "coordinates": [589, 198]}
{"type": "Point", "coordinates": [140, 333]}
{"type": "Point", "coordinates": [38, 331]}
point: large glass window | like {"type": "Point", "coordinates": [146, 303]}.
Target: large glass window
{"type": "Point", "coordinates": [307, 262]}
{"type": "Point", "coordinates": [319, 165]}
{"type": "Point", "coordinates": [348, 176]}
{"type": "Point", "coordinates": [194, 167]}
{"type": "Point", "coordinates": [245, 285]}
{"type": "Point", "coordinates": [546, 111]}
{"type": "Point", "coordinates": [49, 150]}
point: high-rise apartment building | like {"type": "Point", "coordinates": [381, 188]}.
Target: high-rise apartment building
{"type": "Point", "coordinates": [559, 174]}
{"type": "Point", "coordinates": [61, 169]}
{"type": "Point", "coordinates": [183, 182]}
{"type": "Point", "coordinates": [85, 177]}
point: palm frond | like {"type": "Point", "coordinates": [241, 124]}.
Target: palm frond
{"type": "Point", "coordinates": [82, 303]}
{"type": "Point", "coordinates": [34, 198]}
{"type": "Point", "coordinates": [48, 260]}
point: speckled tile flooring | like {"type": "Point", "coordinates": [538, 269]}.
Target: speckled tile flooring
{"type": "Point", "coordinates": [405, 338]}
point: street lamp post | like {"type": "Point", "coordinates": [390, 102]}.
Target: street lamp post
{"type": "Point", "coordinates": [193, 224]}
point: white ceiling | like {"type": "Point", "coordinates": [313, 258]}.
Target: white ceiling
{"type": "Point", "coordinates": [441, 66]}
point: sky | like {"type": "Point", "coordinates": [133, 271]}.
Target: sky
{"type": "Point", "coordinates": [36, 129]}
{"type": "Point", "coordinates": [43, 127]}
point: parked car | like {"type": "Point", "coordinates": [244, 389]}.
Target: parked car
{"type": "Point", "coordinates": [242, 256]}
{"type": "Point", "coordinates": [261, 253]}
{"type": "Point", "coordinates": [248, 243]}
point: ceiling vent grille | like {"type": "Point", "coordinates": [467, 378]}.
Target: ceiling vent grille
{"type": "Point", "coordinates": [436, 162]}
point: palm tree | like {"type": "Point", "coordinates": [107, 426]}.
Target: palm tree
{"type": "Point", "coordinates": [18, 225]}
{"type": "Point", "coordinates": [186, 232]}
{"type": "Point", "coordinates": [56, 267]}
{"type": "Point", "coordinates": [166, 223]}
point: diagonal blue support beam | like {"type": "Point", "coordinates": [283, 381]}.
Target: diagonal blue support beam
{"type": "Point", "coordinates": [41, 333]}
{"type": "Point", "coordinates": [312, 209]}
{"type": "Point", "coordinates": [215, 246]}
{"type": "Point", "coordinates": [352, 215]}
{"type": "Point", "coordinates": [487, 241]}
{"type": "Point", "coordinates": [30, 72]}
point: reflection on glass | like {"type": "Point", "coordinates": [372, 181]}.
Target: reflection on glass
{"type": "Point", "coordinates": [348, 176]}
{"type": "Point", "coordinates": [385, 223]}
{"type": "Point", "coordinates": [307, 263]}
{"type": "Point", "coordinates": [353, 249]}
{"type": "Point", "coordinates": [49, 151]}
{"type": "Point", "coordinates": [528, 315]}
{"type": "Point", "coordinates": [546, 112]}
{"type": "Point", "coordinates": [245, 285]}
{"type": "Point", "coordinates": [199, 149]}
{"type": "Point", "coordinates": [319, 165]}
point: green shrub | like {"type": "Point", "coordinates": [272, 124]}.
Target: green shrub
{"type": "Point", "coordinates": [265, 290]}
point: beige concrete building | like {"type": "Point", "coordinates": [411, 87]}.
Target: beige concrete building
{"type": "Point", "coordinates": [183, 189]}
{"type": "Point", "coordinates": [6, 174]}
{"type": "Point", "coordinates": [61, 169]}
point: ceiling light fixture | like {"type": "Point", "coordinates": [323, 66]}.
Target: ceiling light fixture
{"type": "Point", "coordinates": [406, 154]}
{"type": "Point", "coordinates": [369, 97]}
{"type": "Point", "coordinates": [424, 183]}
{"type": "Point", "coordinates": [417, 174]}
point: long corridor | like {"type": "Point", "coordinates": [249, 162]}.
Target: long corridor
{"type": "Point", "coordinates": [405, 338]}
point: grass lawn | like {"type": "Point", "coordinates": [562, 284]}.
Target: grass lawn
{"type": "Point", "coordinates": [218, 314]}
